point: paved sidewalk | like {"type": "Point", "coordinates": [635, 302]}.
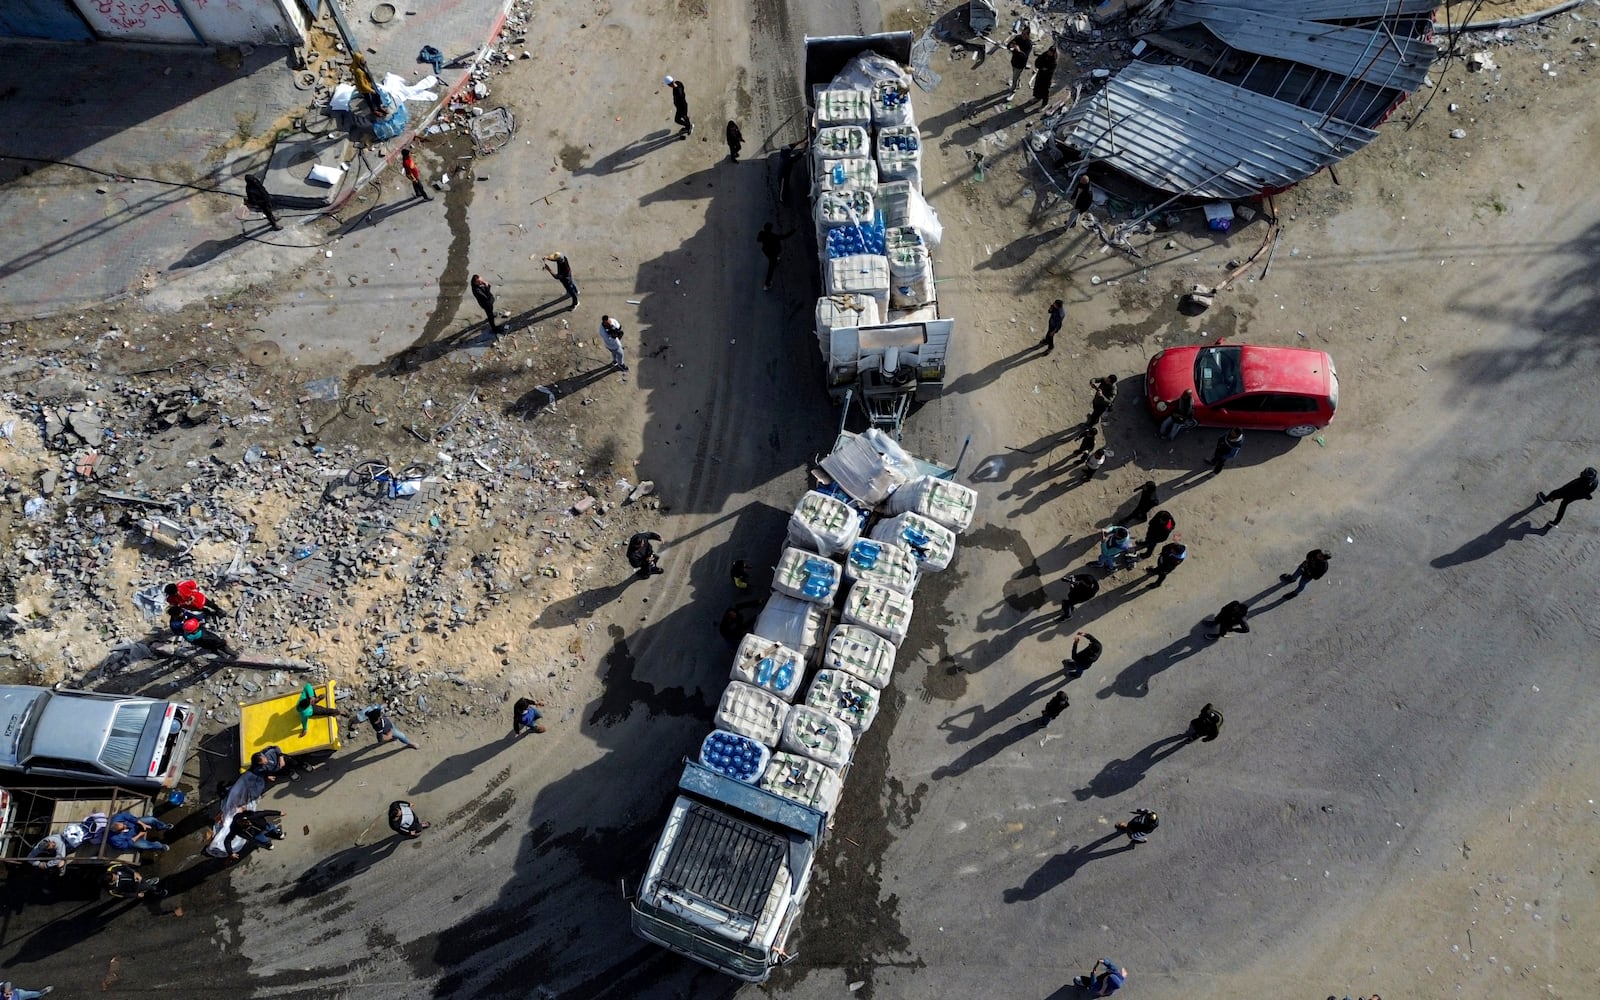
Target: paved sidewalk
{"type": "Point", "coordinates": [167, 134]}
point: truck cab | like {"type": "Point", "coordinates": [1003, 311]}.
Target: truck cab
{"type": "Point", "coordinates": [729, 876]}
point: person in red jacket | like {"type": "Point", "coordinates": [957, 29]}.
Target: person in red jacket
{"type": "Point", "coordinates": [186, 594]}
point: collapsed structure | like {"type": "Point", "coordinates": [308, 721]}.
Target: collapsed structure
{"type": "Point", "coordinates": [1230, 99]}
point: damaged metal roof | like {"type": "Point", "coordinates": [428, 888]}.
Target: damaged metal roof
{"type": "Point", "coordinates": [1232, 98]}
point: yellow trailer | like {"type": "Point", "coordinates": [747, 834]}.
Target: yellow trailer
{"type": "Point", "coordinates": [275, 722]}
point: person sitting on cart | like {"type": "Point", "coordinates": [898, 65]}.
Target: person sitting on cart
{"type": "Point", "coordinates": [308, 709]}
{"type": "Point", "coordinates": [50, 855]}
{"type": "Point", "coordinates": [271, 764]}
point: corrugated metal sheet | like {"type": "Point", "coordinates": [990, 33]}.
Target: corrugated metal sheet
{"type": "Point", "coordinates": [1338, 10]}
{"type": "Point", "coordinates": [1180, 131]}
{"type": "Point", "coordinates": [1376, 57]}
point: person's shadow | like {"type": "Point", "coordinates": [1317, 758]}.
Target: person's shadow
{"type": "Point", "coordinates": [531, 403]}
{"type": "Point", "coordinates": [340, 868]}
{"type": "Point", "coordinates": [458, 766]}
{"type": "Point", "coordinates": [1134, 679]}
{"type": "Point", "coordinates": [1117, 776]}
{"type": "Point", "coordinates": [1063, 866]}
{"type": "Point", "coordinates": [989, 748]}
{"type": "Point", "coordinates": [626, 157]}
{"type": "Point", "coordinates": [1493, 540]}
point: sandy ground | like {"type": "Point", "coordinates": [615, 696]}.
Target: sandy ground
{"type": "Point", "coordinates": [1402, 800]}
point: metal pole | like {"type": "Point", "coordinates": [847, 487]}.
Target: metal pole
{"type": "Point", "coordinates": [1122, 229]}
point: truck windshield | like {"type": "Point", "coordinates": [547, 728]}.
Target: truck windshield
{"type": "Point", "coordinates": [1216, 374]}
{"type": "Point", "coordinates": [749, 964]}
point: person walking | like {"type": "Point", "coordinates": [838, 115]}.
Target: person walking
{"type": "Point", "coordinates": [383, 727]}
{"type": "Point", "coordinates": [1044, 75]}
{"type": "Point", "coordinates": [1087, 443]}
{"type": "Point", "coordinates": [772, 248]}
{"type": "Point", "coordinates": [1580, 488]}
{"type": "Point", "coordinates": [1105, 393]}
{"type": "Point", "coordinates": [1105, 978]}
{"type": "Point", "coordinates": [642, 555]}
{"type": "Point", "coordinates": [1114, 541]}
{"type": "Point", "coordinates": [1058, 316]}
{"type": "Point", "coordinates": [1148, 498]}
{"type": "Point", "coordinates": [1172, 556]}
{"type": "Point", "coordinates": [1141, 826]}
{"type": "Point", "coordinates": [408, 165]}
{"type": "Point", "coordinates": [1053, 708]}
{"type": "Point", "coordinates": [186, 594]}
{"type": "Point", "coordinates": [1206, 726]}
{"type": "Point", "coordinates": [1227, 449]}
{"type": "Point", "coordinates": [1158, 530]}
{"type": "Point", "coordinates": [1230, 618]}
{"type": "Point", "coordinates": [11, 991]}
{"type": "Point", "coordinates": [735, 140]}
{"type": "Point", "coordinates": [308, 708]}
{"type": "Point", "coordinates": [123, 881]}
{"type": "Point", "coordinates": [1021, 47]}
{"type": "Point", "coordinates": [611, 336]}
{"type": "Point", "coordinates": [1080, 587]}
{"type": "Point", "coordinates": [1082, 200]}
{"type": "Point", "coordinates": [404, 820]}
{"type": "Point", "coordinates": [1084, 657]}
{"type": "Point", "coordinates": [186, 625]}
{"type": "Point", "coordinates": [482, 291]}
{"type": "Point", "coordinates": [256, 199]}
{"type": "Point", "coordinates": [525, 714]}
{"type": "Point", "coordinates": [680, 107]}
{"type": "Point", "coordinates": [1313, 567]}
{"type": "Point", "coordinates": [1094, 462]}
{"type": "Point", "coordinates": [563, 274]}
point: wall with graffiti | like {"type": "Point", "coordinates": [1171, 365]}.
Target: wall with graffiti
{"type": "Point", "coordinates": [195, 22]}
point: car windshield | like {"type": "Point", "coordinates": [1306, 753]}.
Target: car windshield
{"type": "Point", "coordinates": [126, 726]}
{"type": "Point", "coordinates": [1216, 374]}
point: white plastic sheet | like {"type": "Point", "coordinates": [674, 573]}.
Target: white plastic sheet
{"type": "Point", "coordinates": [792, 622]}
{"type": "Point", "coordinates": [950, 504]}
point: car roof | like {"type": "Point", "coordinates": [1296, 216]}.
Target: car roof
{"type": "Point", "coordinates": [1284, 369]}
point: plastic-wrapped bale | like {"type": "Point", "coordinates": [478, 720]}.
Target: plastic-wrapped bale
{"type": "Point", "coordinates": [803, 780]}
{"type": "Point", "coordinates": [865, 273]}
{"type": "Point", "coordinates": [807, 576]}
{"type": "Point", "coordinates": [842, 312]}
{"type": "Point", "coordinates": [900, 155]}
{"type": "Point", "coordinates": [899, 237]}
{"type": "Point", "coordinates": [750, 711]}
{"type": "Point", "coordinates": [856, 174]}
{"type": "Point", "coordinates": [884, 611]}
{"type": "Point", "coordinates": [819, 735]}
{"type": "Point", "coordinates": [861, 652]}
{"type": "Point", "coordinates": [843, 241]}
{"type": "Point", "coordinates": [763, 663]}
{"type": "Point", "coordinates": [824, 524]}
{"type": "Point", "coordinates": [791, 622]}
{"type": "Point", "coordinates": [844, 107]}
{"type": "Point", "coordinates": [950, 504]}
{"type": "Point", "coordinates": [869, 466]}
{"type": "Point", "coordinates": [731, 755]}
{"type": "Point", "coordinates": [909, 263]}
{"type": "Point", "coordinates": [894, 201]}
{"type": "Point", "coordinates": [886, 564]}
{"type": "Point", "coordinates": [844, 207]}
{"type": "Point", "coordinates": [907, 291]}
{"type": "Point", "coordinates": [845, 695]}
{"type": "Point", "coordinates": [933, 543]}
{"type": "Point", "coordinates": [838, 142]}
{"type": "Point", "coordinates": [891, 104]}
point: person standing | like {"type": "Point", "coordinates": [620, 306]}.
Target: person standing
{"type": "Point", "coordinates": [1082, 658]}
{"type": "Point", "coordinates": [1053, 708]}
{"type": "Point", "coordinates": [123, 881]}
{"type": "Point", "coordinates": [735, 140]}
{"type": "Point", "coordinates": [1044, 74]}
{"type": "Point", "coordinates": [1581, 488]}
{"type": "Point", "coordinates": [611, 336]}
{"type": "Point", "coordinates": [1206, 726]}
{"type": "Point", "coordinates": [1082, 200]}
{"type": "Point", "coordinates": [525, 714]}
{"type": "Point", "coordinates": [1104, 983]}
{"type": "Point", "coordinates": [409, 166]}
{"type": "Point", "coordinates": [1058, 316]}
{"type": "Point", "coordinates": [563, 274]}
{"type": "Point", "coordinates": [1148, 498]}
{"type": "Point", "coordinates": [1094, 462]}
{"type": "Point", "coordinates": [1141, 826]}
{"type": "Point", "coordinates": [482, 291]}
{"type": "Point", "coordinates": [642, 555]}
{"type": "Point", "coordinates": [1172, 556]}
{"type": "Point", "coordinates": [256, 199]}
{"type": "Point", "coordinates": [1230, 618]}
{"type": "Point", "coordinates": [1021, 47]}
{"type": "Point", "coordinates": [404, 820]}
{"type": "Point", "coordinates": [1105, 392]}
{"type": "Point", "coordinates": [383, 727]}
{"type": "Point", "coordinates": [1227, 449]}
{"type": "Point", "coordinates": [1157, 531]}
{"type": "Point", "coordinates": [1313, 567]}
{"type": "Point", "coordinates": [772, 248]}
{"type": "Point", "coordinates": [1114, 541]}
{"type": "Point", "coordinates": [1087, 443]}
{"type": "Point", "coordinates": [680, 107]}
{"type": "Point", "coordinates": [1080, 587]}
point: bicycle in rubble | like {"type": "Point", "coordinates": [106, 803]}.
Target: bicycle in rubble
{"type": "Point", "coordinates": [366, 475]}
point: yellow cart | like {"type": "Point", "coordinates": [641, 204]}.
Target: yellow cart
{"type": "Point", "coordinates": [274, 722]}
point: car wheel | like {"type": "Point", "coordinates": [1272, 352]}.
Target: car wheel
{"type": "Point", "coordinates": [1301, 430]}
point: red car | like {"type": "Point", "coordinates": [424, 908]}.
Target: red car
{"type": "Point", "coordinates": [1289, 389]}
